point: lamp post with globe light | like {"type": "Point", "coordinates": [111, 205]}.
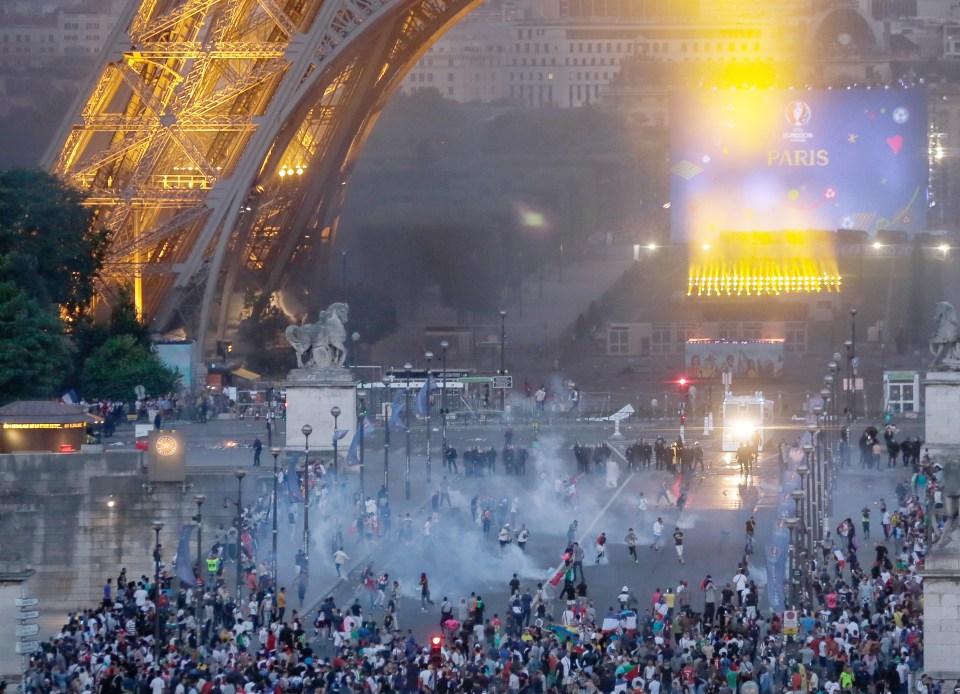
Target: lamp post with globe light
{"type": "Point", "coordinates": [306, 430]}
{"type": "Point", "coordinates": [406, 411]}
{"type": "Point", "coordinates": [239, 473]}
{"type": "Point", "coordinates": [335, 413]}
{"type": "Point", "coordinates": [503, 360]}
{"type": "Point", "coordinates": [792, 524]}
{"type": "Point", "coordinates": [275, 452]}
{"type": "Point", "coordinates": [387, 411]}
{"type": "Point", "coordinates": [443, 397]}
{"type": "Point", "coordinates": [198, 499]}
{"type": "Point", "coordinates": [157, 527]}
{"type": "Point", "coordinates": [428, 356]}
{"type": "Point", "coordinates": [361, 415]}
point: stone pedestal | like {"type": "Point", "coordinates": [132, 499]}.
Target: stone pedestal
{"type": "Point", "coordinates": [310, 395]}
{"type": "Point", "coordinates": [942, 412]}
{"type": "Point", "coordinates": [941, 611]}
{"type": "Point", "coordinates": [941, 573]}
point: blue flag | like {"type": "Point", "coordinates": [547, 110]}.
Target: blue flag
{"type": "Point", "coordinates": [183, 566]}
{"type": "Point", "coordinates": [396, 410]}
{"type": "Point", "coordinates": [423, 398]}
{"type": "Point", "coordinates": [293, 481]}
{"type": "Point", "coordinates": [352, 453]}
{"type": "Point", "coordinates": [339, 434]}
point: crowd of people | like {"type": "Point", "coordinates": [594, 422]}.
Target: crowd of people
{"type": "Point", "coordinates": [859, 630]}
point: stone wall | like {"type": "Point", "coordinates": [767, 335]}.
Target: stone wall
{"type": "Point", "coordinates": [56, 518]}
{"type": "Point", "coordinates": [941, 611]}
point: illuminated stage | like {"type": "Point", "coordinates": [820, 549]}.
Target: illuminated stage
{"type": "Point", "coordinates": [761, 180]}
{"type": "Point", "coordinates": [764, 263]}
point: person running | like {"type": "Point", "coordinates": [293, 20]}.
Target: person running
{"type": "Point", "coordinates": [601, 547]}
{"type": "Point", "coordinates": [664, 493]}
{"type": "Point", "coordinates": [424, 592]}
{"type": "Point", "coordinates": [750, 528]}
{"type": "Point", "coordinates": [678, 544]}
{"type": "Point", "coordinates": [657, 534]}
{"type": "Point", "coordinates": [522, 536]}
{"type": "Point", "coordinates": [505, 538]}
{"type": "Point", "coordinates": [339, 559]}
{"type": "Point", "coordinates": [631, 540]}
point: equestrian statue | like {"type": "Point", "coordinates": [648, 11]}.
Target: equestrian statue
{"type": "Point", "coordinates": [945, 340]}
{"type": "Point", "coordinates": [321, 345]}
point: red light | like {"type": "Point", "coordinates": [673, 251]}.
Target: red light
{"type": "Point", "coordinates": [436, 640]}
{"type": "Point", "coordinates": [683, 381]}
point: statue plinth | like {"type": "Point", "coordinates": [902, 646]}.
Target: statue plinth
{"type": "Point", "coordinates": [941, 413]}
{"type": "Point", "coordinates": [941, 609]}
{"type": "Point", "coordinates": [941, 572]}
{"type": "Point", "coordinates": [311, 393]}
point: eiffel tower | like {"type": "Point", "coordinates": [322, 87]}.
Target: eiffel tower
{"type": "Point", "coordinates": [216, 139]}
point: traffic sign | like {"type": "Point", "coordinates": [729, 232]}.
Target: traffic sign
{"type": "Point", "coordinates": [27, 646]}
{"type": "Point", "coordinates": [29, 614]}
{"type": "Point", "coordinates": [27, 602]}
{"type": "Point", "coordinates": [502, 382]}
{"type": "Point", "coordinates": [791, 622]}
{"type": "Point", "coordinates": [797, 573]}
{"type": "Point", "coordinates": [27, 629]}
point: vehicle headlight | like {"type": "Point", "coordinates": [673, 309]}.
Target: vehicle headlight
{"type": "Point", "coordinates": [742, 431]}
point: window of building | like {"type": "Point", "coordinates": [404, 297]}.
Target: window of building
{"type": "Point", "coordinates": [660, 340]}
{"type": "Point", "coordinates": [795, 338]}
{"type": "Point", "coordinates": [618, 340]}
{"type": "Point", "coordinates": [901, 397]}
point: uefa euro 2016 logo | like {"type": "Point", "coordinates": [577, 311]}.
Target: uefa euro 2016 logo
{"type": "Point", "coordinates": [797, 113]}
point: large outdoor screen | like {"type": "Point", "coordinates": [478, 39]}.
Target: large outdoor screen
{"type": "Point", "coordinates": [745, 160]}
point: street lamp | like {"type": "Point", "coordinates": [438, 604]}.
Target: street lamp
{"type": "Point", "coordinates": [443, 397]}
{"type": "Point", "coordinates": [343, 259]}
{"type": "Point", "coordinates": [275, 452]}
{"type": "Point", "coordinates": [240, 473]}
{"type": "Point", "coordinates": [335, 413]}
{"type": "Point", "coordinates": [306, 430]}
{"type": "Point", "coordinates": [198, 593]}
{"type": "Point", "coordinates": [428, 356]}
{"type": "Point", "coordinates": [791, 524]}
{"type": "Point", "coordinates": [157, 527]}
{"type": "Point", "coordinates": [503, 362]}
{"type": "Point", "coordinates": [830, 445]}
{"type": "Point", "coordinates": [387, 389]}
{"type": "Point", "coordinates": [851, 396]}
{"type": "Point", "coordinates": [816, 485]}
{"type": "Point", "coordinates": [406, 410]}
{"type": "Point", "coordinates": [361, 411]}
{"type": "Point", "coordinates": [803, 469]}
{"type": "Point", "coordinates": [798, 496]}
{"type": "Point", "coordinates": [355, 338]}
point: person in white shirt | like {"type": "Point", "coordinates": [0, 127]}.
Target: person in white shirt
{"type": "Point", "coordinates": [657, 534]}
{"type": "Point", "coordinates": [157, 685]}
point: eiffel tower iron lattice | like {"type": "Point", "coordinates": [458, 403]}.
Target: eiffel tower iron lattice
{"type": "Point", "coordinates": [216, 139]}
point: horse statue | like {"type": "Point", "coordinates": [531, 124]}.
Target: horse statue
{"type": "Point", "coordinates": [945, 340]}
{"type": "Point", "coordinates": [301, 338]}
{"type": "Point", "coordinates": [324, 340]}
{"type": "Point", "coordinates": [334, 336]}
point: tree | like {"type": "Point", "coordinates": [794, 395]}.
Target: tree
{"type": "Point", "coordinates": [122, 363]}
{"type": "Point", "coordinates": [48, 241]}
{"type": "Point", "coordinates": [124, 320]}
{"type": "Point", "coordinates": [34, 357]}
{"type": "Point", "coordinates": [88, 336]}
